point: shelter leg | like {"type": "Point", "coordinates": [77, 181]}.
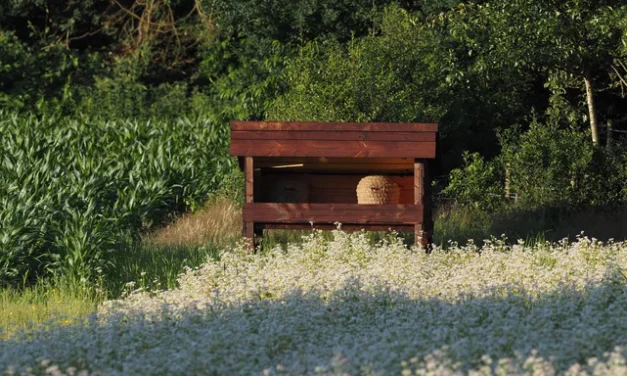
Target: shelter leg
{"type": "Point", "coordinates": [423, 232]}
{"type": "Point", "coordinates": [249, 235]}
{"type": "Point", "coordinates": [249, 227]}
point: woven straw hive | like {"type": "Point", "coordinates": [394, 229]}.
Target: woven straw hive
{"type": "Point", "coordinates": [376, 189]}
{"type": "Point", "coordinates": [289, 191]}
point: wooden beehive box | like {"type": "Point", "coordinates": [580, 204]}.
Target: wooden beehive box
{"type": "Point", "coordinates": [304, 174]}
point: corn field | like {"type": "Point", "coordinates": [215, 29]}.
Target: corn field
{"type": "Point", "coordinates": [75, 191]}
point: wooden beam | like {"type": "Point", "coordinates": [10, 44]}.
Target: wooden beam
{"type": "Point", "coordinates": [423, 230]}
{"type": "Point", "coordinates": [330, 226]}
{"type": "Point", "coordinates": [249, 226]}
{"type": "Point", "coordinates": [325, 161]}
{"type": "Point", "coordinates": [328, 188]}
{"type": "Point", "coordinates": [319, 148]}
{"type": "Point", "coordinates": [249, 171]}
{"type": "Point", "coordinates": [331, 213]}
{"type": "Point", "coordinates": [336, 135]}
{"type": "Point", "coordinates": [427, 204]}
{"type": "Point", "coordinates": [332, 126]}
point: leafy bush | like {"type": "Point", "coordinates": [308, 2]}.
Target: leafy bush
{"type": "Point", "coordinates": [376, 78]}
{"type": "Point", "coordinates": [29, 74]}
{"type": "Point", "coordinates": [548, 165]}
{"type": "Point", "coordinates": [411, 69]}
{"type": "Point", "coordinates": [556, 166]}
{"type": "Point", "coordinates": [478, 183]}
{"type": "Point", "coordinates": [73, 191]}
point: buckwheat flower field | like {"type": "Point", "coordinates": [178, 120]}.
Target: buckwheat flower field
{"type": "Point", "coordinates": [346, 307]}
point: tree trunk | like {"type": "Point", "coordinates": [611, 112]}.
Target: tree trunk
{"type": "Point", "coordinates": [594, 128]}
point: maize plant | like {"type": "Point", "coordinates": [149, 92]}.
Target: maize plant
{"type": "Point", "coordinates": [75, 191]}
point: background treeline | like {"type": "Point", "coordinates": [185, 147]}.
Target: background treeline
{"type": "Point", "coordinates": [115, 113]}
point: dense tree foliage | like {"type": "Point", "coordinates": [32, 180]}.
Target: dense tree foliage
{"type": "Point", "coordinates": [553, 69]}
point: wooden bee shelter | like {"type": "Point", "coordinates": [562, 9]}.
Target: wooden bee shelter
{"type": "Point", "coordinates": [301, 175]}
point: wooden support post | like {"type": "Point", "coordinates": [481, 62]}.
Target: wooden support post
{"type": "Point", "coordinates": [249, 227]}
{"type": "Point", "coordinates": [427, 211]}
{"type": "Point", "coordinates": [424, 230]}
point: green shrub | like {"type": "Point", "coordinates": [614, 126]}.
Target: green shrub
{"type": "Point", "coordinates": [559, 166]}
{"type": "Point", "coordinates": [73, 191]}
{"type": "Point", "coordinates": [478, 183]}
{"type": "Point", "coordinates": [29, 74]}
{"type": "Point", "coordinates": [548, 166]}
{"type": "Point", "coordinates": [376, 78]}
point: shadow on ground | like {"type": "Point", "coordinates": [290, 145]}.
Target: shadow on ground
{"type": "Point", "coordinates": [531, 225]}
{"type": "Point", "coordinates": [350, 331]}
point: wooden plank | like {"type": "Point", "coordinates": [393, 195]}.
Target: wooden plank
{"type": "Point", "coordinates": [249, 171]}
{"type": "Point", "coordinates": [317, 148]}
{"type": "Point", "coordinates": [333, 181]}
{"type": "Point", "coordinates": [330, 226]}
{"type": "Point", "coordinates": [347, 169]}
{"type": "Point", "coordinates": [248, 227]}
{"type": "Point", "coordinates": [270, 161]}
{"type": "Point", "coordinates": [332, 126]}
{"type": "Point", "coordinates": [248, 233]}
{"type": "Point", "coordinates": [419, 173]}
{"type": "Point", "coordinates": [331, 213]}
{"type": "Point", "coordinates": [337, 136]}
{"type": "Point", "coordinates": [428, 215]}
{"type": "Point", "coordinates": [346, 165]}
{"type": "Point", "coordinates": [331, 188]}
{"type": "Point", "coordinates": [423, 230]}
{"type": "Point", "coordinates": [337, 165]}
{"type": "Point", "coordinates": [349, 196]}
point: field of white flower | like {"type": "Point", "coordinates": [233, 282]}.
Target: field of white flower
{"type": "Point", "coordinates": [345, 307]}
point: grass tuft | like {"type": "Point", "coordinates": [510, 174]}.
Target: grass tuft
{"type": "Point", "coordinates": [218, 223]}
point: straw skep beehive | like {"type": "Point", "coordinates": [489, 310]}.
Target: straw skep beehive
{"type": "Point", "coordinates": [376, 189]}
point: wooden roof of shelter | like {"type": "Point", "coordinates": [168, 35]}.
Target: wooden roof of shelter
{"type": "Point", "coordinates": [333, 140]}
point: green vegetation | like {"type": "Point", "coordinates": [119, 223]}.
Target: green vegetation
{"type": "Point", "coordinates": [76, 193]}
{"type": "Point", "coordinates": [114, 124]}
{"type": "Point", "coordinates": [152, 265]}
{"type": "Point", "coordinates": [59, 301]}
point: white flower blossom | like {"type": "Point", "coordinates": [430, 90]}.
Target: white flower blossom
{"type": "Point", "coordinates": [345, 307]}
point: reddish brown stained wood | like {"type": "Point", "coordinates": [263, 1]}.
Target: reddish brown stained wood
{"type": "Point", "coordinates": [317, 148]}
{"type": "Point", "coordinates": [341, 196]}
{"type": "Point", "coordinates": [335, 165]}
{"type": "Point", "coordinates": [248, 232]}
{"type": "Point", "coordinates": [323, 161]}
{"type": "Point", "coordinates": [377, 169]}
{"type": "Point", "coordinates": [428, 218]}
{"type": "Point", "coordinates": [336, 135]}
{"type": "Point", "coordinates": [347, 165]}
{"type": "Point", "coordinates": [332, 188]}
{"type": "Point", "coordinates": [334, 181]}
{"type": "Point", "coordinates": [249, 172]}
{"type": "Point", "coordinates": [349, 197]}
{"type": "Point", "coordinates": [248, 227]}
{"type": "Point", "coordinates": [422, 231]}
{"type": "Point", "coordinates": [332, 126]}
{"type": "Point", "coordinates": [419, 174]}
{"type": "Point", "coordinates": [330, 213]}
{"type": "Point", "coordinates": [330, 226]}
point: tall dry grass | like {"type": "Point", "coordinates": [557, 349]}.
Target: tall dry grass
{"type": "Point", "coordinates": [218, 223]}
